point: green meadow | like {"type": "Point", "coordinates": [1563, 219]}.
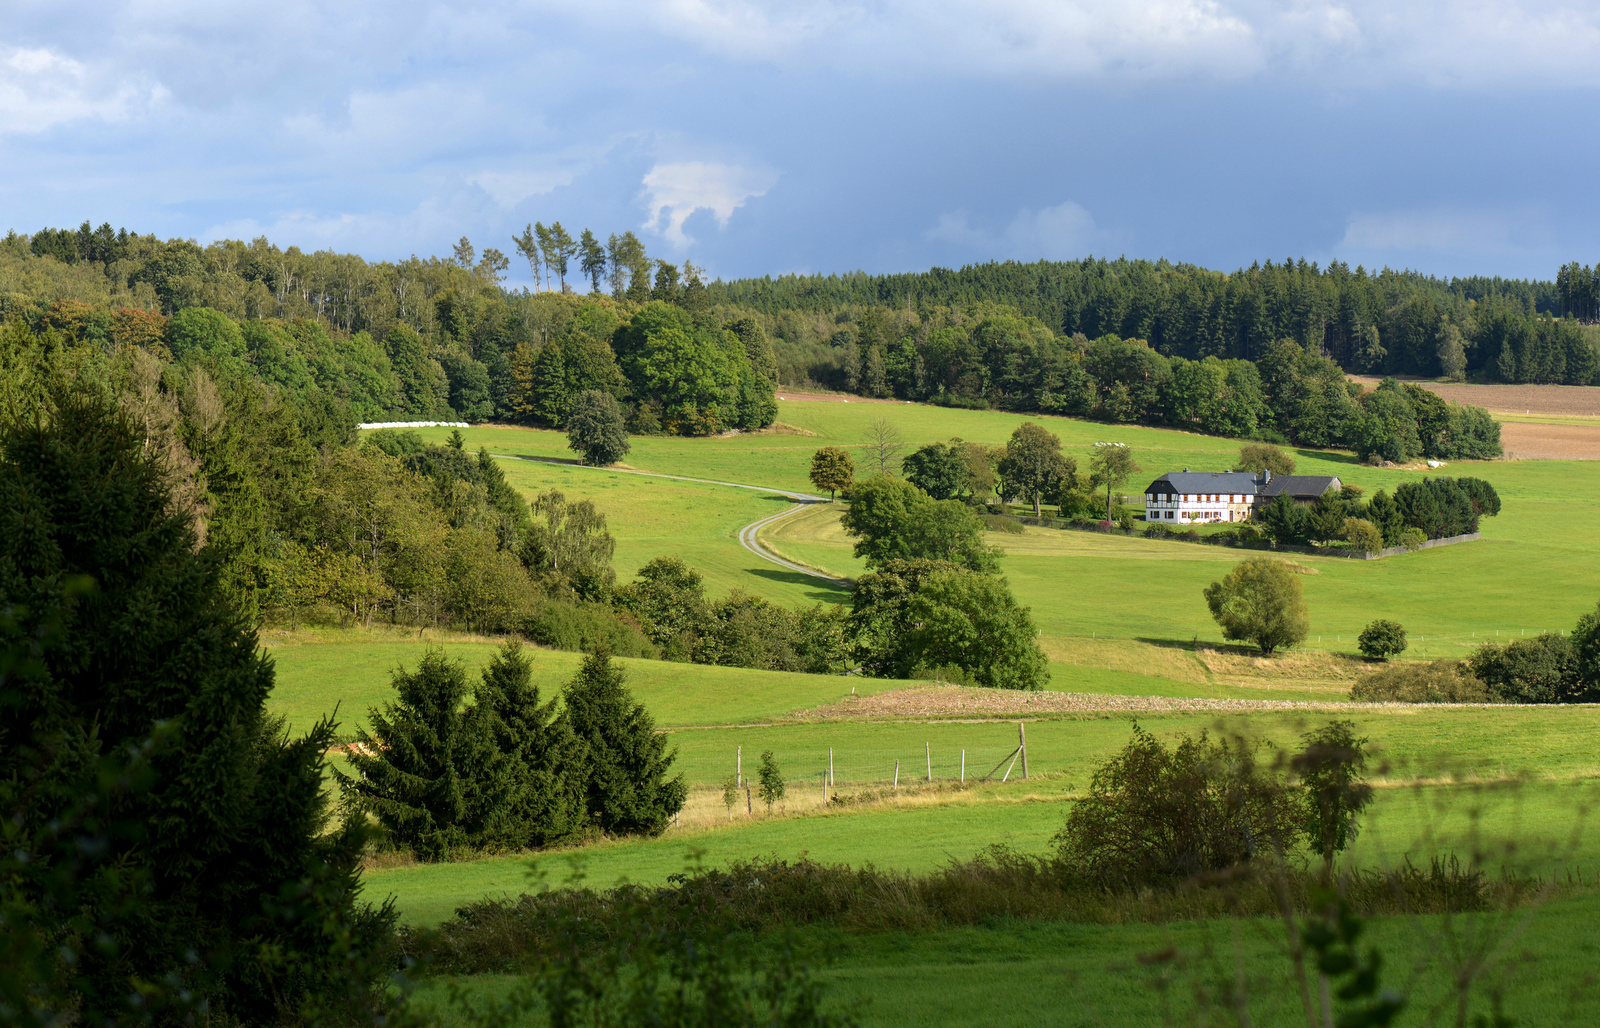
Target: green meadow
{"type": "Point", "coordinates": [1509, 787]}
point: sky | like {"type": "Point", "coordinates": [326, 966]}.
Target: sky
{"type": "Point", "coordinates": [759, 138]}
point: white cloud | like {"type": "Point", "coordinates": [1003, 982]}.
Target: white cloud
{"type": "Point", "coordinates": [676, 190]}
{"type": "Point", "coordinates": [1063, 232]}
{"type": "Point", "coordinates": [1446, 232]}
{"type": "Point", "coordinates": [40, 88]}
{"type": "Point", "coordinates": [1448, 43]}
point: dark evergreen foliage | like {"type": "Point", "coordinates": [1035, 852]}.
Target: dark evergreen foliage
{"type": "Point", "coordinates": [547, 763]}
{"type": "Point", "coordinates": [166, 845]}
{"type": "Point", "coordinates": [428, 768]}
{"type": "Point", "coordinates": [627, 790]}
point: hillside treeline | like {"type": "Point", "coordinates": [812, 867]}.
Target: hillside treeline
{"type": "Point", "coordinates": [1389, 323]}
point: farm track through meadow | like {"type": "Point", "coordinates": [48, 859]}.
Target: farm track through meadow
{"type": "Point", "coordinates": [749, 535]}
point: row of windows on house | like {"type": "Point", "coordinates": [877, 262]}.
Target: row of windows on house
{"type": "Point", "coordinates": [1196, 498]}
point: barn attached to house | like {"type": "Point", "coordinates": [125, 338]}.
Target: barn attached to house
{"type": "Point", "coordinates": [1212, 496]}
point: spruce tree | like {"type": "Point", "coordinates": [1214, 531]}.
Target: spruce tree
{"type": "Point", "coordinates": [627, 789]}
{"type": "Point", "coordinates": [429, 770]}
{"type": "Point", "coordinates": [165, 843]}
{"type": "Point", "coordinates": [546, 803]}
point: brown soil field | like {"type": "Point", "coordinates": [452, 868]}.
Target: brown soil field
{"type": "Point", "coordinates": [1553, 400]}
{"type": "Point", "coordinates": [1550, 442]}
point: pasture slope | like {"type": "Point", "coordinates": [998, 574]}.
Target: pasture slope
{"type": "Point", "coordinates": [1120, 617]}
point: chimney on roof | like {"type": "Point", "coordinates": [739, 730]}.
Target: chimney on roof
{"type": "Point", "coordinates": [1266, 474]}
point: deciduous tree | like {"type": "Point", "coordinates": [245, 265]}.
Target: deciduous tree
{"type": "Point", "coordinates": [1032, 466]}
{"type": "Point", "coordinates": [832, 469]}
{"type": "Point", "coordinates": [1260, 601]}
{"type": "Point", "coordinates": [597, 429]}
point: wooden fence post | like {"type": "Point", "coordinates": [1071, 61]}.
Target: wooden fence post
{"type": "Point", "coordinates": [1022, 743]}
{"type": "Point", "coordinates": [963, 765]}
{"type": "Point", "coordinates": [738, 767]}
{"type": "Point", "coordinates": [897, 773]}
{"type": "Point", "coordinates": [928, 749]}
{"type": "Point", "coordinates": [831, 780]}
{"type": "Point", "coordinates": [749, 808]}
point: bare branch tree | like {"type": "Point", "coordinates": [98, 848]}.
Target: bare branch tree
{"type": "Point", "coordinates": [884, 446]}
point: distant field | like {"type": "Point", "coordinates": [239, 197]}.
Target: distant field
{"type": "Point", "coordinates": [1533, 572]}
{"type": "Point", "coordinates": [1513, 399]}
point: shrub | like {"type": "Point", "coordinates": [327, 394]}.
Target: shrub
{"type": "Point", "coordinates": [1382, 639]}
{"type": "Point", "coordinates": [1159, 816]}
{"type": "Point", "coordinates": [1265, 457]}
{"type": "Point", "coordinates": [1260, 600]}
{"type": "Point", "coordinates": [1363, 535]}
{"type": "Point", "coordinates": [1413, 538]}
{"type": "Point", "coordinates": [1442, 681]}
{"type": "Point", "coordinates": [579, 626]}
{"type": "Point", "coordinates": [1543, 669]}
{"type": "Point", "coordinates": [1000, 523]}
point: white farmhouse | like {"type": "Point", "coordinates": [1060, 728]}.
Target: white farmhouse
{"type": "Point", "coordinates": [1204, 497]}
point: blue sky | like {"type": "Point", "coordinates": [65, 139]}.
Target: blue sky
{"type": "Point", "coordinates": [763, 138]}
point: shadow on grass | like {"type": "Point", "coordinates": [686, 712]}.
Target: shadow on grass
{"type": "Point", "coordinates": [1239, 649]}
{"type": "Point", "coordinates": [821, 590]}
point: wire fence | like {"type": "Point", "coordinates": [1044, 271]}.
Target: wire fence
{"type": "Point", "coordinates": [857, 768]}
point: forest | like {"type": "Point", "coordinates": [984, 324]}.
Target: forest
{"type": "Point", "coordinates": [1260, 353]}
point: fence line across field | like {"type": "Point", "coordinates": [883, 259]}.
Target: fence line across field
{"type": "Point", "coordinates": [834, 767]}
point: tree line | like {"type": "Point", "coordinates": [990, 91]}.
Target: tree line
{"type": "Point", "coordinates": [1384, 323]}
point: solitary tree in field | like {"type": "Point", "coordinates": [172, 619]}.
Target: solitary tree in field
{"type": "Point", "coordinates": [1112, 464]}
{"type": "Point", "coordinates": [1260, 601]}
{"type": "Point", "coordinates": [1382, 639]}
{"type": "Point", "coordinates": [832, 469]}
{"type": "Point", "coordinates": [884, 446]}
{"type": "Point", "coordinates": [1032, 467]}
{"type": "Point", "coordinates": [595, 428]}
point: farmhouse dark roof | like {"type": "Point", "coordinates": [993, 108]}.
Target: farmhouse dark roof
{"type": "Point", "coordinates": [1300, 487]}
{"type": "Point", "coordinates": [1188, 483]}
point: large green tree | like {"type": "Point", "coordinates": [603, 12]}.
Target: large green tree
{"type": "Point", "coordinates": [894, 520]}
{"type": "Point", "coordinates": [1033, 467]}
{"type": "Point", "coordinates": [428, 768]}
{"type": "Point", "coordinates": [1112, 465]}
{"type": "Point", "coordinates": [1260, 601]}
{"type": "Point", "coordinates": [596, 429]}
{"type": "Point", "coordinates": [832, 469]}
{"type": "Point", "coordinates": [165, 842]}
{"type": "Point", "coordinates": [937, 469]}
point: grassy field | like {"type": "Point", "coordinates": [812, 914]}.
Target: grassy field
{"type": "Point", "coordinates": [1052, 974]}
{"type": "Point", "coordinates": [1532, 572]}
{"type": "Point", "coordinates": [1509, 786]}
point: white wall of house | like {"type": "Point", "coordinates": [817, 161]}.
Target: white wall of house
{"type": "Point", "coordinates": [1187, 509]}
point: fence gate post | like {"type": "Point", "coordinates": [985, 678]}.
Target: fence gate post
{"type": "Point", "coordinates": [1022, 744]}
{"type": "Point", "coordinates": [928, 749]}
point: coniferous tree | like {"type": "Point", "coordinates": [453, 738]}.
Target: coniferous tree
{"type": "Point", "coordinates": [428, 769]}
{"type": "Point", "coordinates": [161, 829]}
{"type": "Point", "coordinates": [546, 801]}
{"type": "Point", "coordinates": [627, 788]}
